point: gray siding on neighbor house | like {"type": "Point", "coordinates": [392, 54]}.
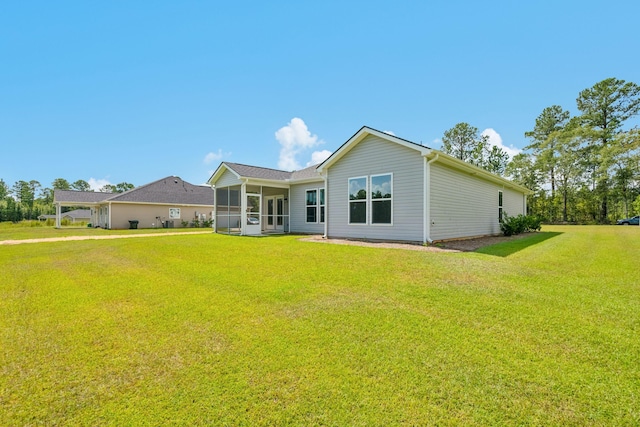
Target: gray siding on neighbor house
{"type": "Point", "coordinates": [373, 156]}
{"type": "Point", "coordinates": [463, 205]}
{"type": "Point", "coordinates": [227, 179]}
{"type": "Point", "coordinates": [298, 200]}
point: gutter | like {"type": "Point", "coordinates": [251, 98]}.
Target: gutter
{"type": "Point", "coordinates": [426, 232]}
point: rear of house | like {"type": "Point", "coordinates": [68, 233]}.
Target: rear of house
{"type": "Point", "coordinates": [376, 186]}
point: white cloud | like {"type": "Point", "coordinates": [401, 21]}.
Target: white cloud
{"type": "Point", "coordinates": [293, 139]}
{"type": "Point", "coordinates": [214, 157]}
{"type": "Point", "coordinates": [97, 184]}
{"type": "Point", "coordinates": [319, 157]}
{"type": "Point", "coordinates": [389, 132]}
{"type": "Point", "coordinates": [496, 139]}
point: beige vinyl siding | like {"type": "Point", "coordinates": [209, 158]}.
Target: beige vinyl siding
{"type": "Point", "coordinates": [374, 156]}
{"type": "Point", "coordinates": [463, 205]}
{"type": "Point", "coordinates": [299, 211]}
{"type": "Point", "coordinates": [122, 213]}
{"type": "Point", "coordinates": [227, 179]}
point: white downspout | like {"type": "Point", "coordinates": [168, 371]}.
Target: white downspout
{"type": "Point", "coordinates": [426, 238]}
{"type": "Point", "coordinates": [109, 220]}
{"type": "Point", "coordinates": [326, 206]}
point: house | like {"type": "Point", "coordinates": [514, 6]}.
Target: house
{"type": "Point", "coordinates": [375, 186]}
{"type": "Point", "coordinates": [74, 216]}
{"type": "Point", "coordinates": [167, 202]}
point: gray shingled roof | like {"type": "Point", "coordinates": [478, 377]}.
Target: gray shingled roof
{"type": "Point", "coordinates": [169, 190]}
{"type": "Point", "coordinates": [72, 196]}
{"type": "Point", "coordinates": [247, 171]}
{"type": "Point", "coordinates": [305, 173]}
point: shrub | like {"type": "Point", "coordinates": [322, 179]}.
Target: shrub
{"type": "Point", "coordinates": [511, 225]}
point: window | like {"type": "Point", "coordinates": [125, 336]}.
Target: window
{"type": "Point", "coordinates": [312, 206]}
{"type": "Point", "coordinates": [381, 189]}
{"type": "Point", "coordinates": [174, 213]}
{"type": "Point", "coordinates": [358, 200]}
{"type": "Point", "coordinates": [321, 204]}
{"type": "Point", "coordinates": [499, 206]}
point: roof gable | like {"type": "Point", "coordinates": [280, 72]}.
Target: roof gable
{"type": "Point", "coordinates": [169, 190]}
{"type": "Point", "coordinates": [360, 136]}
{"type": "Point", "coordinates": [260, 173]}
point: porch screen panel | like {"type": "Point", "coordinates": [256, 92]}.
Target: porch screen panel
{"type": "Point", "coordinates": [228, 210]}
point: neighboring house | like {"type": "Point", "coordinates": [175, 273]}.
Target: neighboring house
{"type": "Point", "coordinates": [77, 215]}
{"type": "Point", "coordinates": [163, 203]}
{"type": "Point", "coordinates": [375, 186]}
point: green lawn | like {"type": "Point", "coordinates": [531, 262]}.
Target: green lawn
{"type": "Point", "coordinates": [223, 330]}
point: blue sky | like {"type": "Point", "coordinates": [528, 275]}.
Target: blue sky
{"type": "Point", "coordinates": [135, 91]}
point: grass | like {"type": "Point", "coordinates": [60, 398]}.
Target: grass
{"type": "Point", "coordinates": [224, 330]}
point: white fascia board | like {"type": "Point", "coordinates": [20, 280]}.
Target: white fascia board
{"type": "Point", "coordinates": [221, 169]}
{"type": "Point", "coordinates": [479, 172]}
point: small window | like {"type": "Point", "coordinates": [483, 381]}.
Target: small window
{"type": "Point", "coordinates": [381, 199]}
{"type": "Point", "coordinates": [174, 213]}
{"type": "Point", "coordinates": [321, 204]}
{"type": "Point", "coordinates": [499, 206]}
{"type": "Point", "coordinates": [312, 206]}
{"type": "Point", "coordinates": [358, 200]}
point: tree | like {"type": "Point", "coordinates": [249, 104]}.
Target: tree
{"type": "Point", "coordinates": [60, 184]}
{"type": "Point", "coordinates": [81, 185]}
{"type": "Point", "coordinates": [464, 142]}
{"type": "Point", "coordinates": [4, 190]}
{"type": "Point", "coordinates": [108, 188]}
{"type": "Point", "coordinates": [549, 122]}
{"type": "Point", "coordinates": [496, 160]}
{"type": "Point", "coordinates": [605, 108]}
{"type": "Point", "coordinates": [124, 186]}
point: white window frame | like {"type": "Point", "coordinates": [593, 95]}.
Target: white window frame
{"type": "Point", "coordinates": [321, 205]}
{"type": "Point", "coordinates": [365, 200]}
{"type": "Point", "coordinates": [500, 207]}
{"type": "Point", "coordinates": [316, 206]}
{"type": "Point", "coordinates": [173, 212]}
{"type": "Point", "coordinates": [372, 200]}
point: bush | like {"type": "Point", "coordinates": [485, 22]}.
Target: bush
{"type": "Point", "coordinates": [511, 225]}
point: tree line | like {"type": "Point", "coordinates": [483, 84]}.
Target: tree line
{"type": "Point", "coordinates": [27, 200]}
{"type": "Point", "coordinates": [581, 169]}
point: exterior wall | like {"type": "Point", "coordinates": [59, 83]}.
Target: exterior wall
{"type": "Point", "coordinates": [463, 205]}
{"type": "Point", "coordinates": [121, 214]}
{"type": "Point", "coordinates": [298, 202]}
{"type": "Point", "coordinates": [373, 156]}
{"type": "Point", "coordinates": [227, 179]}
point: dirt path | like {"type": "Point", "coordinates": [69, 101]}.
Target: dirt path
{"type": "Point", "coordinates": [465, 245]}
{"type": "Point", "coordinates": [111, 236]}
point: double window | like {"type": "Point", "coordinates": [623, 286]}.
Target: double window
{"type": "Point", "coordinates": [371, 199]}
{"type": "Point", "coordinates": [315, 206]}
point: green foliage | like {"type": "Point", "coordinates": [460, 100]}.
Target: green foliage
{"type": "Point", "coordinates": [464, 142]}
{"type": "Point", "coordinates": [587, 167]}
{"type": "Point", "coordinates": [511, 225]}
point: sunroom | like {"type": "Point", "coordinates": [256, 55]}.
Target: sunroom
{"type": "Point", "coordinates": [251, 210]}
